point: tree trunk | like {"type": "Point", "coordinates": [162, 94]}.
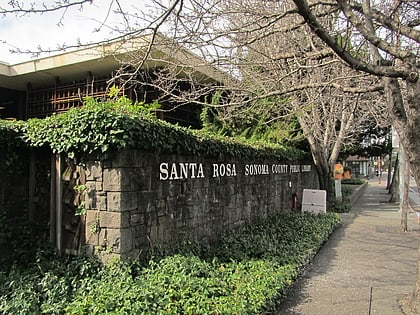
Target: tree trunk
{"type": "Point", "coordinates": [321, 159]}
{"type": "Point", "coordinates": [324, 173]}
{"type": "Point", "coordinates": [415, 295]}
{"type": "Point", "coordinates": [389, 178]}
{"type": "Point", "coordinates": [406, 120]}
{"type": "Point", "coordinates": [405, 182]}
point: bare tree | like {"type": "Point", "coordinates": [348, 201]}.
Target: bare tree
{"type": "Point", "coordinates": [270, 54]}
{"type": "Point", "coordinates": [390, 30]}
{"type": "Point", "coordinates": [266, 53]}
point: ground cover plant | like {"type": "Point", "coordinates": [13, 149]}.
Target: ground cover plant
{"type": "Point", "coordinates": [247, 273]}
{"type": "Point", "coordinates": [348, 186]}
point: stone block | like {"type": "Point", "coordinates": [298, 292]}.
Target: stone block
{"type": "Point", "coordinates": [91, 195]}
{"type": "Point", "coordinates": [113, 239]}
{"type": "Point", "coordinates": [101, 203]}
{"type": "Point", "coordinates": [136, 218]}
{"type": "Point", "coordinates": [118, 240]}
{"type": "Point", "coordinates": [119, 179]}
{"type": "Point", "coordinates": [132, 255]}
{"type": "Point", "coordinates": [140, 179]}
{"type": "Point", "coordinates": [127, 158]}
{"type": "Point", "coordinates": [147, 201]}
{"type": "Point", "coordinates": [89, 250]}
{"type": "Point", "coordinates": [121, 201]}
{"type": "Point", "coordinates": [143, 241]}
{"type": "Point", "coordinates": [91, 186]}
{"type": "Point", "coordinates": [93, 170]}
{"type": "Point", "coordinates": [112, 180]}
{"type": "Point", "coordinates": [156, 234]}
{"type": "Point", "coordinates": [92, 227]}
{"type": "Point", "coordinates": [107, 257]}
{"type": "Point", "coordinates": [91, 216]}
{"type": "Point", "coordinates": [99, 186]}
{"type": "Point", "coordinates": [126, 179]}
{"type": "Point", "coordinates": [92, 239]}
{"type": "Point", "coordinates": [114, 220]}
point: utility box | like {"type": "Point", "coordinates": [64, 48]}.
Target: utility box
{"type": "Point", "coordinates": [314, 201]}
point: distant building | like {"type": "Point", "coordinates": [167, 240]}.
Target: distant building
{"type": "Point", "coordinates": [359, 165]}
{"type": "Point", "coordinates": [43, 86]}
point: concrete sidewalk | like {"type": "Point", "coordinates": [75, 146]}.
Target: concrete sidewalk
{"type": "Point", "coordinates": [365, 267]}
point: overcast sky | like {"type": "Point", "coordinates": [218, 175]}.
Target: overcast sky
{"type": "Point", "coordinates": [29, 32]}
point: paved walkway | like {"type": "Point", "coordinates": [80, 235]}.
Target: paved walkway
{"type": "Point", "coordinates": [365, 267]}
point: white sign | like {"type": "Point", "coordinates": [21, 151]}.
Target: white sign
{"type": "Point", "coordinates": [194, 170]}
{"type": "Point", "coordinates": [314, 201]}
{"type": "Point", "coordinates": [173, 171]}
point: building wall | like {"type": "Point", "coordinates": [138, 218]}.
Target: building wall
{"type": "Point", "coordinates": [142, 200]}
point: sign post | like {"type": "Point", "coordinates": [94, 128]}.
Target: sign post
{"type": "Point", "coordinates": [338, 193]}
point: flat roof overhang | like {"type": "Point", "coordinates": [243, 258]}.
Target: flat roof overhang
{"type": "Point", "coordinates": [102, 60]}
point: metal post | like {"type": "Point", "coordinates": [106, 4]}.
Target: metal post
{"type": "Point", "coordinates": [58, 204]}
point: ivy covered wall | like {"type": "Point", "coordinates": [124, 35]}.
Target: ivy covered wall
{"type": "Point", "coordinates": [151, 183]}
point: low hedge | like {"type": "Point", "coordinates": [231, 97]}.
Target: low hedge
{"type": "Point", "coordinates": [247, 273]}
{"type": "Point", "coordinates": [353, 181]}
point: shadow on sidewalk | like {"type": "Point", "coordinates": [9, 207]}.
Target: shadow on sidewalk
{"type": "Point", "coordinates": [366, 265]}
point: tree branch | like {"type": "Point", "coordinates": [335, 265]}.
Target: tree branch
{"type": "Point", "coordinates": [18, 7]}
{"type": "Point", "coordinates": [406, 30]}
{"type": "Point", "coordinates": [378, 70]}
{"type": "Point", "coordinates": [369, 35]}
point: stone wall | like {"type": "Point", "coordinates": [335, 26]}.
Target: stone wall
{"type": "Point", "coordinates": [141, 200]}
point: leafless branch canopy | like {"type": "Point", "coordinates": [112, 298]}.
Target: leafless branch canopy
{"type": "Point", "coordinates": [265, 50]}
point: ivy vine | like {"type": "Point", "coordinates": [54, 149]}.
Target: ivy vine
{"type": "Point", "coordinates": [103, 127]}
{"type": "Point", "coordinates": [14, 150]}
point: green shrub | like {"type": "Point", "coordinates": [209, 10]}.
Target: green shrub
{"type": "Point", "coordinates": [247, 273]}
{"type": "Point", "coordinates": [19, 239]}
{"type": "Point", "coordinates": [339, 206]}
{"type": "Point", "coordinates": [353, 181]}
{"type": "Point", "coordinates": [46, 285]}
{"type": "Point", "coordinates": [344, 205]}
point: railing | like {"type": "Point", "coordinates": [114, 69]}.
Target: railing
{"type": "Point", "coordinates": [44, 102]}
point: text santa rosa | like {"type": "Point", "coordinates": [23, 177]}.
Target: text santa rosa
{"type": "Point", "coordinates": [192, 170]}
